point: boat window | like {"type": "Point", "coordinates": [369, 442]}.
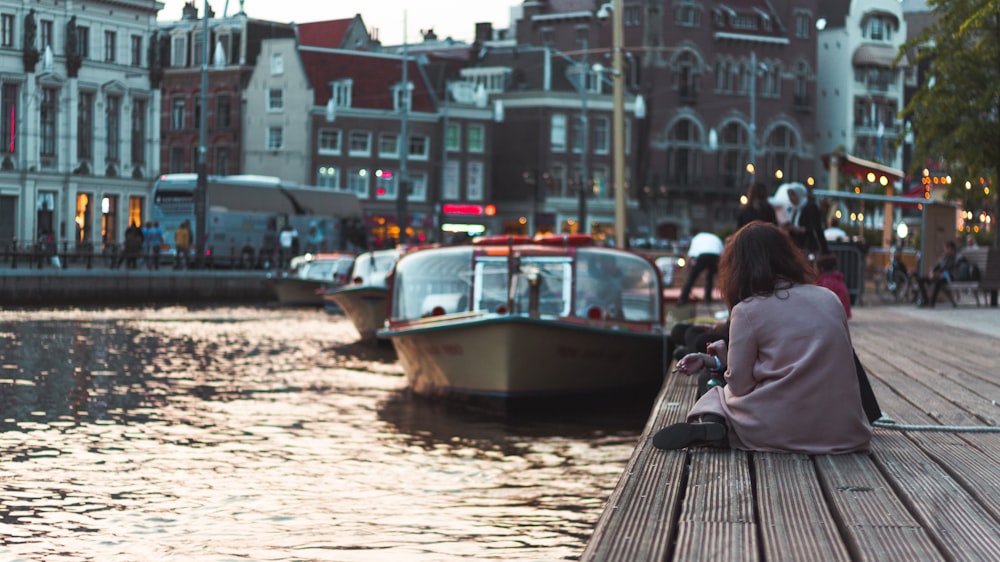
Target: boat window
{"type": "Point", "coordinates": [371, 268]}
{"type": "Point", "coordinates": [616, 285]}
{"type": "Point", "coordinates": [490, 292]}
{"type": "Point", "coordinates": [554, 278]}
{"type": "Point", "coordinates": [432, 278]}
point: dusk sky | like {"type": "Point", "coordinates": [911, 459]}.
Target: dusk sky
{"type": "Point", "coordinates": [454, 18]}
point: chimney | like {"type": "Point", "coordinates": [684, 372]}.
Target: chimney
{"type": "Point", "coordinates": [484, 32]}
{"type": "Point", "coordinates": [190, 12]}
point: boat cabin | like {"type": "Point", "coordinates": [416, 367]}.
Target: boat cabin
{"type": "Point", "coordinates": [586, 283]}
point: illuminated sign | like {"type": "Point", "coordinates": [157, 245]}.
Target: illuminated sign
{"type": "Point", "coordinates": [466, 228]}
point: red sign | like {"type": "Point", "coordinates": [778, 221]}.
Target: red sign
{"type": "Point", "coordinates": [456, 209]}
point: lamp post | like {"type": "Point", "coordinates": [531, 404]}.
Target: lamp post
{"type": "Point", "coordinates": [618, 97]}
{"type": "Point", "coordinates": [584, 133]}
{"type": "Point", "coordinates": [201, 185]}
{"type": "Point", "coordinates": [402, 185]}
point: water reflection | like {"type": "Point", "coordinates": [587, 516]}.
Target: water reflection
{"type": "Point", "coordinates": [271, 435]}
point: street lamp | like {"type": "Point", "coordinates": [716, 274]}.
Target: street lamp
{"type": "Point", "coordinates": [201, 185]}
{"type": "Point", "coordinates": [618, 99]}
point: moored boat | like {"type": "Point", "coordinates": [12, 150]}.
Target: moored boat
{"type": "Point", "coordinates": [307, 276]}
{"type": "Point", "coordinates": [364, 299]}
{"type": "Point", "coordinates": [518, 318]}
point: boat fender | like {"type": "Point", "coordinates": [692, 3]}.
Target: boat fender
{"type": "Point", "coordinates": [595, 313]}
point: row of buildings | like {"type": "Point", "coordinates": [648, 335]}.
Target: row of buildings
{"type": "Point", "coordinates": [509, 133]}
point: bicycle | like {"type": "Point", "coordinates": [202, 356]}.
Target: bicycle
{"type": "Point", "coordinates": [896, 284]}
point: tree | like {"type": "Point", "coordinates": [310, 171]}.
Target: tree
{"type": "Point", "coordinates": [956, 111]}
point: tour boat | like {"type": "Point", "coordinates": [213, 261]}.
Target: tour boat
{"type": "Point", "coordinates": [515, 317]}
{"type": "Point", "coordinates": [308, 275]}
{"type": "Point", "coordinates": [364, 299]}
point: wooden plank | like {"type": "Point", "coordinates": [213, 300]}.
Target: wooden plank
{"type": "Point", "coordinates": [637, 522]}
{"type": "Point", "coordinates": [717, 519]}
{"type": "Point", "coordinates": [794, 520]}
{"type": "Point", "coordinates": [875, 523]}
{"type": "Point", "coordinates": [961, 527]}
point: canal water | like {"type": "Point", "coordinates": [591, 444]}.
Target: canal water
{"type": "Point", "coordinates": [271, 435]}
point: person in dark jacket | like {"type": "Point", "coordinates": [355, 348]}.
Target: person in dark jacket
{"type": "Point", "coordinates": [940, 275]}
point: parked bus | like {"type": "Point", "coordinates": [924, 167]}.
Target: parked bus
{"type": "Point", "coordinates": [245, 213]}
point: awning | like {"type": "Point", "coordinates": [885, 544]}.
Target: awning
{"type": "Point", "coordinates": [859, 167]}
{"type": "Point", "coordinates": [878, 55]}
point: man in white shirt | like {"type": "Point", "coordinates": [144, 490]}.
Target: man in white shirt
{"type": "Point", "coordinates": [704, 251]}
{"type": "Point", "coordinates": [835, 233]}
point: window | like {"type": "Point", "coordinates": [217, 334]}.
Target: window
{"type": "Point", "coordinates": [342, 92]}
{"type": "Point", "coordinates": [176, 159]}
{"type": "Point", "coordinates": [388, 145]}
{"type": "Point", "coordinates": [633, 16]}
{"type": "Point", "coordinates": [360, 143]}
{"type": "Point", "coordinates": [274, 138]}
{"type": "Point", "coordinates": [223, 118]}
{"type": "Point", "coordinates": [402, 97]}
{"type": "Point", "coordinates": [474, 182]}
{"type": "Point", "coordinates": [110, 46]}
{"type": "Point", "coordinates": [46, 35]}
{"type": "Point", "coordinates": [453, 137]}
{"type": "Point", "coordinates": [451, 181]}
{"type": "Point", "coordinates": [557, 136]}
{"type": "Point", "coordinates": [683, 153]}
{"type": "Point", "coordinates": [556, 180]}
{"type": "Point", "coordinates": [328, 176]}
{"type": "Point", "coordinates": [85, 126]}
{"type": "Point", "coordinates": [139, 131]}
{"type": "Point", "coordinates": [418, 187]}
{"type": "Point", "coordinates": [385, 184]}
{"type": "Point", "coordinates": [135, 50]}
{"type": "Point", "coordinates": [177, 113]}
{"type": "Point", "coordinates": [275, 99]}
{"type": "Point", "coordinates": [222, 160]}
{"type": "Point", "coordinates": [419, 148]}
{"type": "Point", "coordinates": [602, 144]}
{"type": "Point", "coordinates": [6, 30]}
{"type": "Point", "coordinates": [113, 119]}
{"type": "Point", "coordinates": [196, 49]}
{"type": "Point", "coordinates": [686, 13]}
{"type": "Point", "coordinates": [357, 182]}
{"type": "Point", "coordinates": [178, 51]}
{"type": "Point", "coordinates": [47, 114]}
{"type": "Point", "coordinates": [580, 134]}
{"type": "Point", "coordinates": [277, 64]}
{"type": "Point", "coordinates": [802, 25]}
{"type": "Point", "coordinates": [329, 141]}
{"type": "Point", "coordinates": [83, 41]}
{"type": "Point", "coordinates": [877, 29]}
{"type": "Point", "coordinates": [8, 120]}
{"type": "Point", "coordinates": [197, 110]}
{"type": "Point", "coordinates": [475, 138]}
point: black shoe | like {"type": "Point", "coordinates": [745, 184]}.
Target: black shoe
{"type": "Point", "coordinates": [681, 435]}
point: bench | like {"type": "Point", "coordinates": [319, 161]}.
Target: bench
{"type": "Point", "coordinates": [988, 262]}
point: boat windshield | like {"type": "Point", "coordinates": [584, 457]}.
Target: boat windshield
{"type": "Point", "coordinates": [432, 282]}
{"type": "Point", "coordinates": [617, 285]}
{"type": "Point", "coordinates": [371, 268]}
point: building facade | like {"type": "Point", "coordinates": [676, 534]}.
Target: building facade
{"type": "Point", "coordinates": [80, 132]}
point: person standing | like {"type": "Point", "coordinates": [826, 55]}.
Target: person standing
{"type": "Point", "coordinates": [758, 207]}
{"type": "Point", "coordinates": [182, 245]}
{"type": "Point", "coordinates": [805, 224]}
{"type": "Point", "coordinates": [704, 251]}
{"type": "Point", "coordinates": [286, 240]}
{"type": "Point", "coordinates": [132, 247]}
{"type": "Point", "coordinates": [786, 381]}
{"type": "Point", "coordinates": [155, 245]}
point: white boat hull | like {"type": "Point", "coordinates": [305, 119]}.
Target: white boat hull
{"type": "Point", "coordinates": [522, 357]}
{"type": "Point", "coordinates": [366, 307]}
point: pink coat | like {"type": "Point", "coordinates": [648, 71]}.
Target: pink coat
{"type": "Point", "coordinates": [791, 384]}
{"type": "Point", "coordinates": [834, 280]}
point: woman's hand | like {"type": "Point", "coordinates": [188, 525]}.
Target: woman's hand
{"type": "Point", "coordinates": [691, 363]}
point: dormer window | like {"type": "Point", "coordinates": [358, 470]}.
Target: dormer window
{"type": "Point", "coordinates": [341, 92]}
{"type": "Point", "coordinates": [878, 27]}
{"type": "Point", "coordinates": [178, 51]}
{"type": "Point", "coordinates": [277, 64]}
{"type": "Point", "coordinates": [402, 96]}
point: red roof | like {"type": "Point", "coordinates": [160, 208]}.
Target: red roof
{"type": "Point", "coordinates": [374, 76]}
{"type": "Point", "coordinates": [329, 34]}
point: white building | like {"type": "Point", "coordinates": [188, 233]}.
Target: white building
{"type": "Point", "coordinates": [859, 81]}
{"type": "Point", "coordinates": [79, 119]}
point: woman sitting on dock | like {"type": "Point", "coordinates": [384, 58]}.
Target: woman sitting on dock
{"type": "Point", "coordinates": [789, 382]}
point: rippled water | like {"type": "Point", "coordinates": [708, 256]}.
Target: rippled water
{"type": "Point", "coordinates": [268, 434]}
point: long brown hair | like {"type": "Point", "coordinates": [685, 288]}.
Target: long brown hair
{"type": "Point", "coordinates": [758, 259]}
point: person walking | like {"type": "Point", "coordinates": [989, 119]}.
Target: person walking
{"type": "Point", "coordinates": [786, 380]}
{"type": "Point", "coordinates": [704, 251]}
{"type": "Point", "coordinates": [805, 223]}
{"type": "Point", "coordinates": [132, 249]}
{"type": "Point", "coordinates": [182, 245]}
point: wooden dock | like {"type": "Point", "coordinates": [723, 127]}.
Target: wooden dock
{"type": "Point", "coordinates": [928, 493]}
